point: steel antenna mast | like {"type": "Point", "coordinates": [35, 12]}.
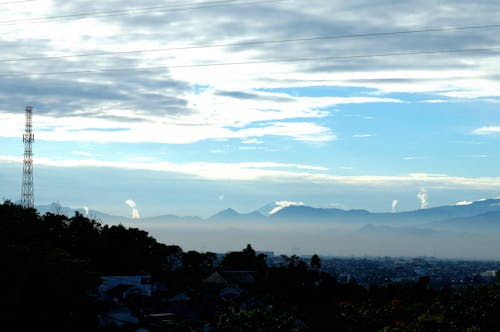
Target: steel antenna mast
{"type": "Point", "coordinates": [27, 199]}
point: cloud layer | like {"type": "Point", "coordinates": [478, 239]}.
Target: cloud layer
{"type": "Point", "coordinates": [373, 104]}
{"type": "Point", "coordinates": [163, 103]}
{"type": "Point", "coordinates": [277, 172]}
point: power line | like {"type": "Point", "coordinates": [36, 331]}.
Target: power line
{"type": "Point", "coordinates": [137, 11]}
{"type": "Point", "coordinates": [361, 56]}
{"type": "Point", "coordinates": [374, 34]}
{"type": "Point", "coordinates": [120, 12]}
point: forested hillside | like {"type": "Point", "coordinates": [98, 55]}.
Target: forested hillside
{"type": "Point", "coordinates": [53, 266]}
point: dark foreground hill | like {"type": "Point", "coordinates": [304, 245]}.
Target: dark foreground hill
{"type": "Point", "coordinates": [54, 264]}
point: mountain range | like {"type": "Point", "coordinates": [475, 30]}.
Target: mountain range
{"type": "Point", "coordinates": [479, 215]}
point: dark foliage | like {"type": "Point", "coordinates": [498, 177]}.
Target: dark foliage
{"type": "Point", "coordinates": [245, 260]}
{"type": "Point", "coordinates": [52, 265]}
{"type": "Point", "coordinates": [43, 286]}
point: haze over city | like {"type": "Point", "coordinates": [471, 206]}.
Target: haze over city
{"type": "Point", "coordinates": [147, 109]}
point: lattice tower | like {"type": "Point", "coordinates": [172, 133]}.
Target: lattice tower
{"type": "Point", "coordinates": [27, 198]}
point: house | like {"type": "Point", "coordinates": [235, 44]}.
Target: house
{"type": "Point", "coordinates": [115, 291]}
{"type": "Point", "coordinates": [121, 287]}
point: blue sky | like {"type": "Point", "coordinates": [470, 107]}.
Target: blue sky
{"type": "Point", "coordinates": [358, 132]}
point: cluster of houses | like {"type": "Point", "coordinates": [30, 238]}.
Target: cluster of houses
{"type": "Point", "coordinates": [141, 304]}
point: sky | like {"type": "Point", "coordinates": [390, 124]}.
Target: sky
{"type": "Point", "coordinates": [190, 108]}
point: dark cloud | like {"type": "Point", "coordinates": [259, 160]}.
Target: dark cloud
{"type": "Point", "coordinates": [248, 95]}
{"type": "Point", "coordinates": [237, 94]}
{"type": "Point", "coordinates": [68, 95]}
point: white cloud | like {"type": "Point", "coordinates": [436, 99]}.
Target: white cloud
{"type": "Point", "coordinates": [300, 131]}
{"type": "Point", "coordinates": [248, 148]}
{"type": "Point", "coordinates": [252, 141]}
{"type": "Point", "coordinates": [362, 135]}
{"type": "Point", "coordinates": [487, 130]}
{"type": "Point", "coordinates": [434, 101]}
{"type": "Point", "coordinates": [475, 156]}
{"type": "Point", "coordinates": [172, 130]}
{"type": "Point", "coordinates": [278, 172]}
{"type": "Point", "coordinates": [82, 153]}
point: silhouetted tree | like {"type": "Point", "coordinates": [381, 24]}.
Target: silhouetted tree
{"type": "Point", "coordinates": [244, 260]}
{"type": "Point", "coordinates": [43, 287]}
{"type": "Point", "coordinates": [315, 261]}
{"type": "Point", "coordinates": [197, 266]}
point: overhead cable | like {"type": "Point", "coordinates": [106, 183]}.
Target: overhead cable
{"type": "Point", "coordinates": [249, 43]}
{"type": "Point", "coordinates": [361, 56]}
{"type": "Point", "coordinates": [138, 11]}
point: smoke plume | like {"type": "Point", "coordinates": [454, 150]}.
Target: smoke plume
{"type": "Point", "coordinates": [86, 209]}
{"type": "Point", "coordinates": [394, 205]}
{"type": "Point", "coordinates": [422, 196]}
{"type": "Point", "coordinates": [135, 212]}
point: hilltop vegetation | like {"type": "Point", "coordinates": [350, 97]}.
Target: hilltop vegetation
{"type": "Point", "coordinates": [53, 264]}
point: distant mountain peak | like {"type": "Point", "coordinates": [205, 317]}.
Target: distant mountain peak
{"type": "Point", "coordinates": [227, 213]}
{"type": "Point", "coordinates": [232, 215]}
{"type": "Point", "coordinates": [275, 207]}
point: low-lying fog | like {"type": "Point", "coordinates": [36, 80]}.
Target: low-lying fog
{"type": "Point", "coordinates": [323, 239]}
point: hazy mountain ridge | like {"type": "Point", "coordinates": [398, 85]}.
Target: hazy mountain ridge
{"type": "Point", "coordinates": [233, 215]}
{"type": "Point", "coordinates": [470, 216]}
{"type": "Point", "coordinates": [469, 230]}
{"type": "Point", "coordinates": [56, 208]}
{"type": "Point", "coordinates": [172, 218]}
{"type": "Point", "coordinates": [480, 216]}
{"type": "Point", "coordinates": [490, 220]}
{"type": "Point", "coordinates": [307, 213]}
